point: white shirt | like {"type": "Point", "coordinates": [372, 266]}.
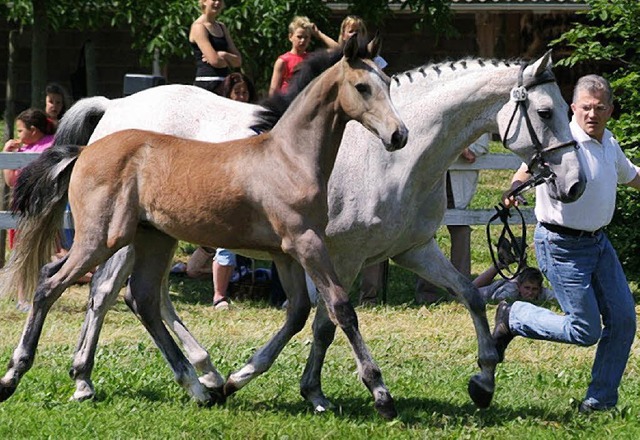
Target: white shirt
{"type": "Point", "coordinates": [604, 165]}
{"type": "Point", "coordinates": [465, 183]}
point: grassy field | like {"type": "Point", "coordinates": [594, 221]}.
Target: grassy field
{"type": "Point", "coordinates": [426, 353]}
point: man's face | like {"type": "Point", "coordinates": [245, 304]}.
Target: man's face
{"type": "Point", "coordinates": [592, 112]}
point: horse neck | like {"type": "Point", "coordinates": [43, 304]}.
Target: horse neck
{"type": "Point", "coordinates": [313, 127]}
{"type": "Point", "coordinates": [447, 113]}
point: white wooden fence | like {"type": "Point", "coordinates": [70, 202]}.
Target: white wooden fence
{"type": "Point", "coordinates": [452, 216]}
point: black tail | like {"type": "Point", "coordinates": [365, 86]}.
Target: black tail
{"type": "Point", "coordinates": [40, 198]}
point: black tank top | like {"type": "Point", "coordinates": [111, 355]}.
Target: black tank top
{"type": "Point", "coordinates": [206, 69]}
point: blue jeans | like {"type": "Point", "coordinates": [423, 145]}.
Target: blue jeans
{"type": "Point", "coordinates": [589, 283]}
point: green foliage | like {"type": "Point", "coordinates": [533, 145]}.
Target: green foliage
{"type": "Point", "coordinates": [610, 34]}
{"type": "Point", "coordinates": [259, 29]}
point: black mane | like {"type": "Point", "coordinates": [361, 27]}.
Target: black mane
{"type": "Point", "coordinates": [314, 65]}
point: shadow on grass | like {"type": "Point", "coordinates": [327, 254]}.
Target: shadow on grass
{"type": "Point", "coordinates": [430, 412]}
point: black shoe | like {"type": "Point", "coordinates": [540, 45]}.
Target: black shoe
{"type": "Point", "coordinates": [587, 407]}
{"type": "Point", "coordinates": [501, 333]}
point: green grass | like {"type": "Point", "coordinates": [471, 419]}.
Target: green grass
{"type": "Point", "coordinates": [426, 354]}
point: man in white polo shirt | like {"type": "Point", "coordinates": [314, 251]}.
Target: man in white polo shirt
{"type": "Point", "coordinates": [577, 257]}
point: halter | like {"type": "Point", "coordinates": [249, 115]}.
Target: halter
{"type": "Point", "coordinates": [520, 95]}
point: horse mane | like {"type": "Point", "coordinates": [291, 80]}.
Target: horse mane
{"type": "Point", "coordinates": [314, 65]}
{"type": "Point", "coordinates": [444, 69]}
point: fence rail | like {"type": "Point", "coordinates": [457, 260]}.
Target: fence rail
{"type": "Point", "coordinates": [452, 216]}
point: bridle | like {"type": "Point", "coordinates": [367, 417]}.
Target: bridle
{"type": "Point", "coordinates": [520, 96]}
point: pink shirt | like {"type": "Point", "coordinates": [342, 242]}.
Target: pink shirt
{"type": "Point", "coordinates": [38, 147]}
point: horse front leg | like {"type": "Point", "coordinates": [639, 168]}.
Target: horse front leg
{"type": "Point", "coordinates": [294, 284]}
{"type": "Point", "coordinates": [314, 257]}
{"type": "Point", "coordinates": [431, 264]}
{"type": "Point", "coordinates": [105, 285]}
{"type": "Point", "coordinates": [324, 331]}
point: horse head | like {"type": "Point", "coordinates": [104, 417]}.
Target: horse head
{"type": "Point", "coordinates": [364, 96]}
{"type": "Point", "coordinates": [535, 126]}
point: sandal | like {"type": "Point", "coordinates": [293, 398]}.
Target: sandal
{"type": "Point", "coordinates": [221, 304]}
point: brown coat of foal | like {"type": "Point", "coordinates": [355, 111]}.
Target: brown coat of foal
{"type": "Point", "coordinates": [268, 193]}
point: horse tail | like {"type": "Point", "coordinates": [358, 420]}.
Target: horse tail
{"type": "Point", "coordinates": [80, 121]}
{"type": "Point", "coordinates": [40, 198]}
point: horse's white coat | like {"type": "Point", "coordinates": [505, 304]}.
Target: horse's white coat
{"type": "Point", "coordinates": [386, 205]}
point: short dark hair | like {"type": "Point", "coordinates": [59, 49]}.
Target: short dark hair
{"type": "Point", "coordinates": [234, 78]}
{"type": "Point", "coordinates": [530, 274]}
{"type": "Point", "coordinates": [34, 117]}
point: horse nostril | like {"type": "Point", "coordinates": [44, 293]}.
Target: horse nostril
{"type": "Point", "coordinates": [576, 190]}
{"type": "Point", "coordinates": [399, 138]}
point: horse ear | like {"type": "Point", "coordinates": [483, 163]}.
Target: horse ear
{"type": "Point", "coordinates": [375, 45]}
{"type": "Point", "coordinates": [350, 50]}
{"type": "Point", "coordinates": [542, 64]}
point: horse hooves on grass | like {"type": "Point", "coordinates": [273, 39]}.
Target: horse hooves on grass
{"type": "Point", "coordinates": [386, 408]}
{"type": "Point", "coordinates": [229, 388]}
{"type": "Point", "coordinates": [217, 397]}
{"type": "Point", "coordinates": [480, 396]}
{"type": "Point", "coordinates": [6, 391]}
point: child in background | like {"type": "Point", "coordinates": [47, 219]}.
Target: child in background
{"type": "Point", "coordinates": [352, 24]}
{"type": "Point", "coordinates": [56, 102]}
{"type": "Point", "coordinates": [527, 286]}
{"type": "Point", "coordinates": [238, 87]}
{"type": "Point", "coordinates": [300, 32]}
{"type": "Point", "coordinates": [34, 135]}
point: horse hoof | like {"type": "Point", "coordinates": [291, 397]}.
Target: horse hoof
{"type": "Point", "coordinates": [217, 396]}
{"type": "Point", "coordinates": [386, 408]}
{"type": "Point", "coordinates": [229, 388]}
{"type": "Point", "coordinates": [6, 391]}
{"type": "Point", "coordinates": [480, 396]}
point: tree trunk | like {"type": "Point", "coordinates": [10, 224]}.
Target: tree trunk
{"type": "Point", "coordinates": [39, 37]}
{"type": "Point", "coordinates": [9, 116]}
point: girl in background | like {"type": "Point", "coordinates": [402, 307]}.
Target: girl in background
{"type": "Point", "coordinates": [213, 47]}
{"type": "Point", "coordinates": [34, 135]}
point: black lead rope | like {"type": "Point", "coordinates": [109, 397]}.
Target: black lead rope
{"type": "Point", "coordinates": [517, 245]}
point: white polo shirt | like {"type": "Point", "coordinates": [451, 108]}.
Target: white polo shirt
{"type": "Point", "coordinates": [605, 165]}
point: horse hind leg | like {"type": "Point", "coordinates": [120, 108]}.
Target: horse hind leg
{"type": "Point", "coordinates": [198, 356]}
{"type": "Point", "coordinates": [294, 283]}
{"type": "Point", "coordinates": [54, 278]}
{"type": "Point", "coordinates": [154, 251]}
{"type": "Point", "coordinates": [105, 285]}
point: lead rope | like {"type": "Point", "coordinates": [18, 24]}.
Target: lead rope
{"type": "Point", "coordinates": [518, 246]}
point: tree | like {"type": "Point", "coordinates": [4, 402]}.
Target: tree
{"type": "Point", "coordinates": [611, 34]}
{"type": "Point", "coordinates": [160, 28]}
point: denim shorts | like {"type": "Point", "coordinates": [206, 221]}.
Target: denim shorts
{"type": "Point", "coordinates": [225, 257]}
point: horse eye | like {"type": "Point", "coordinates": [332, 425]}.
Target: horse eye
{"type": "Point", "coordinates": [363, 89]}
{"type": "Point", "coordinates": [544, 113]}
